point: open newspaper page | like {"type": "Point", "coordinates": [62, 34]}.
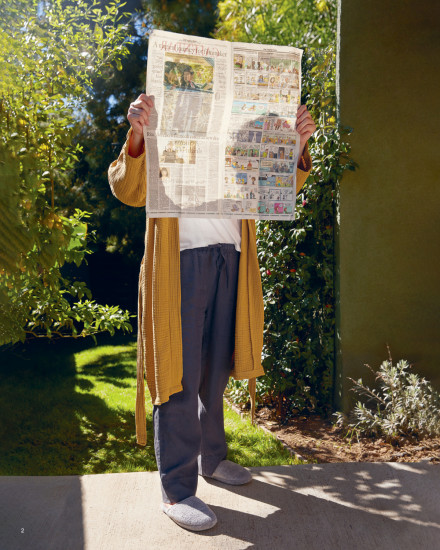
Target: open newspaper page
{"type": "Point", "coordinates": [222, 141]}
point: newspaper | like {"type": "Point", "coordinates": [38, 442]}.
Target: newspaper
{"type": "Point", "coordinates": [221, 142]}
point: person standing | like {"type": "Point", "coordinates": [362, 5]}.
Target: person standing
{"type": "Point", "coordinates": [200, 321]}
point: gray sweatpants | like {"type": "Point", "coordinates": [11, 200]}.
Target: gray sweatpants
{"type": "Point", "coordinates": [189, 433]}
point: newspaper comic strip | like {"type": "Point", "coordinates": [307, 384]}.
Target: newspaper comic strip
{"type": "Point", "coordinates": [222, 141]}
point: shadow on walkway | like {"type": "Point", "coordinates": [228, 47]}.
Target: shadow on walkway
{"type": "Point", "coordinates": [348, 506]}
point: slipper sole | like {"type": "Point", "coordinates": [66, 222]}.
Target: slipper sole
{"type": "Point", "coordinates": [181, 523]}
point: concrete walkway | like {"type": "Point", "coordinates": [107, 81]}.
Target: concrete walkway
{"type": "Point", "coordinates": [348, 506]}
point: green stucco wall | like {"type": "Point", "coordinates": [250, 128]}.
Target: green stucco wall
{"type": "Point", "coordinates": [388, 230]}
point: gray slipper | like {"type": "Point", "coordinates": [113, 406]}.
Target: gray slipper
{"type": "Point", "coordinates": [191, 513]}
{"type": "Point", "coordinates": [231, 473]}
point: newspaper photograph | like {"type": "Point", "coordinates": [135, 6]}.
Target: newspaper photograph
{"type": "Point", "coordinates": [221, 141]}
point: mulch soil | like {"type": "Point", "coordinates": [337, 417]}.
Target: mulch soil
{"type": "Point", "coordinates": [319, 440]}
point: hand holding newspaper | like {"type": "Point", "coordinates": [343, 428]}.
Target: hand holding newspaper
{"type": "Point", "coordinates": [221, 142]}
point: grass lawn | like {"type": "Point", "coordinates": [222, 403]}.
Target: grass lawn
{"type": "Point", "coordinates": [67, 407]}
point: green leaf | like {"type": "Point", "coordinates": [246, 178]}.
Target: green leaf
{"type": "Point", "coordinates": [98, 33]}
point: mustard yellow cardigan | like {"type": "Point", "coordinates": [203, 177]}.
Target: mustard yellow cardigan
{"type": "Point", "coordinates": [159, 339]}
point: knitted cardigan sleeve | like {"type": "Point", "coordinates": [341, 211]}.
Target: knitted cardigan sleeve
{"type": "Point", "coordinates": [127, 177]}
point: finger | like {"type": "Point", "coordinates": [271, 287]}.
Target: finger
{"type": "Point", "coordinates": [141, 105]}
{"type": "Point", "coordinates": [301, 109]}
{"type": "Point", "coordinates": [145, 117]}
{"type": "Point", "coordinates": [304, 120]}
{"type": "Point", "coordinates": [306, 124]}
{"type": "Point", "coordinates": [149, 99]}
{"type": "Point", "coordinates": [305, 116]}
{"type": "Point", "coordinates": [305, 127]}
{"type": "Point", "coordinates": [135, 121]}
{"type": "Point", "coordinates": [138, 116]}
{"type": "Point", "coordinates": [137, 111]}
{"type": "Point", "coordinates": [136, 126]}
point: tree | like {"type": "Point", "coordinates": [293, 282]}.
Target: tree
{"type": "Point", "coordinates": [49, 53]}
{"type": "Point", "coordinates": [304, 23]}
{"type": "Point", "coordinates": [182, 16]}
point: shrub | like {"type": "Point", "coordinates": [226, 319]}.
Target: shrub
{"type": "Point", "coordinates": [49, 53]}
{"type": "Point", "coordinates": [405, 405]}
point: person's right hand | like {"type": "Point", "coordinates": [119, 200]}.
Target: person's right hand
{"type": "Point", "coordinates": [139, 113]}
{"type": "Point", "coordinates": [139, 116]}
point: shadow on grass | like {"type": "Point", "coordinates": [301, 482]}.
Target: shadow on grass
{"type": "Point", "coordinates": [49, 427]}
{"type": "Point", "coordinates": [112, 369]}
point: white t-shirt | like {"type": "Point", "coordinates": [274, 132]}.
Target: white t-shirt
{"type": "Point", "coordinates": [196, 232]}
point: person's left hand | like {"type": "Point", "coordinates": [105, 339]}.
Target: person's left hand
{"type": "Point", "coordinates": [305, 126]}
